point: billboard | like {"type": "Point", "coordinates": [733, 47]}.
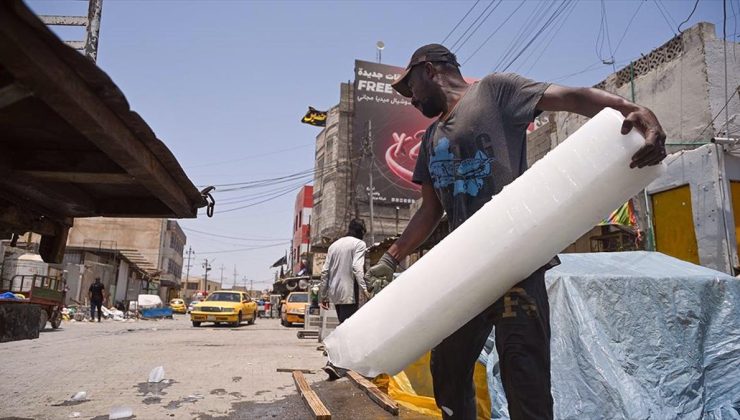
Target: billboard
{"type": "Point", "coordinates": [397, 129]}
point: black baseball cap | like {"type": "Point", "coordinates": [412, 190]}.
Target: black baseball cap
{"type": "Point", "coordinates": [428, 53]}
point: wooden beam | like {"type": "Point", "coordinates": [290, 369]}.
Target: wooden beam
{"type": "Point", "coordinates": [132, 207]}
{"type": "Point", "coordinates": [13, 93]}
{"type": "Point", "coordinates": [24, 220]}
{"type": "Point", "coordinates": [61, 160]}
{"type": "Point", "coordinates": [286, 370]}
{"type": "Point", "coordinates": [35, 64]}
{"type": "Point", "coordinates": [78, 45]}
{"type": "Point", "coordinates": [318, 409]}
{"type": "Point", "coordinates": [372, 391]}
{"type": "Point", "coordinates": [52, 247]}
{"type": "Point", "coordinates": [81, 177]}
{"type": "Point", "coordinates": [64, 20]}
{"type": "Point", "coordinates": [23, 191]}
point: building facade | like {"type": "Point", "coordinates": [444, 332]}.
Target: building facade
{"type": "Point", "coordinates": [336, 196]}
{"type": "Point", "coordinates": [196, 284]}
{"type": "Point", "coordinates": [157, 243]}
{"type": "Point", "coordinates": [300, 242]}
{"type": "Point", "coordinates": [682, 81]}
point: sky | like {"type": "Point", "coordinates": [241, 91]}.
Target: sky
{"type": "Point", "coordinates": [225, 83]}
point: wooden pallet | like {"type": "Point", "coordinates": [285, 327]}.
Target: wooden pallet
{"type": "Point", "coordinates": [373, 392]}
{"type": "Point", "coordinates": [319, 410]}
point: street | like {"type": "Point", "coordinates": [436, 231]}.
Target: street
{"type": "Point", "coordinates": [207, 369]}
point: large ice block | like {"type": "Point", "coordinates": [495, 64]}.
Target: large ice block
{"type": "Point", "coordinates": [557, 200]}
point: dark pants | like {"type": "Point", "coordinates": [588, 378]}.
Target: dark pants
{"type": "Point", "coordinates": [345, 311]}
{"type": "Point", "coordinates": [93, 305]}
{"type": "Point", "coordinates": [522, 321]}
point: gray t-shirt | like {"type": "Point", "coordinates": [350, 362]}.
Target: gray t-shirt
{"type": "Point", "coordinates": [481, 146]}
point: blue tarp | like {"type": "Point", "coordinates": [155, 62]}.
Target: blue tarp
{"type": "Point", "coordinates": [9, 295]}
{"type": "Point", "coordinates": [639, 335]}
{"type": "Point", "coordinates": [156, 312]}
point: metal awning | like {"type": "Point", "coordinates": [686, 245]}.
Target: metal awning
{"type": "Point", "coordinates": [70, 146]}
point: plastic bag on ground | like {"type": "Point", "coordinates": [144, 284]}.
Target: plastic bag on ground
{"type": "Point", "coordinates": [120, 413]}
{"type": "Point", "coordinates": [156, 375]}
{"type": "Point", "coordinates": [79, 396]}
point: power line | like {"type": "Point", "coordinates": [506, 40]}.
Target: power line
{"type": "Point", "coordinates": [251, 157]}
{"type": "Point", "coordinates": [479, 25]}
{"type": "Point", "coordinates": [460, 21]}
{"type": "Point", "coordinates": [628, 26]}
{"type": "Point", "coordinates": [668, 12]}
{"type": "Point", "coordinates": [535, 16]}
{"type": "Point", "coordinates": [690, 14]}
{"type": "Point", "coordinates": [494, 32]}
{"type": "Point", "coordinates": [268, 182]}
{"type": "Point", "coordinates": [551, 37]}
{"type": "Point", "coordinates": [718, 113]}
{"type": "Point", "coordinates": [259, 202]}
{"type": "Point", "coordinates": [254, 196]}
{"type": "Point", "coordinates": [472, 24]}
{"type": "Point", "coordinates": [254, 248]}
{"type": "Point", "coordinates": [664, 17]}
{"type": "Point", "coordinates": [231, 237]}
{"type": "Point", "coordinates": [603, 36]}
{"type": "Point", "coordinates": [558, 11]}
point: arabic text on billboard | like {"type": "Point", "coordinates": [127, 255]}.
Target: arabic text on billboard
{"type": "Point", "coordinates": [397, 129]}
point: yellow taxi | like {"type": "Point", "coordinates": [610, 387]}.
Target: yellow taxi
{"type": "Point", "coordinates": [225, 306]}
{"type": "Point", "coordinates": [178, 306]}
{"type": "Point", "coordinates": [294, 309]}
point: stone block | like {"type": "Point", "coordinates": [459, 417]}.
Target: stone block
{"type": "Point", "coordinates": [19, 321]}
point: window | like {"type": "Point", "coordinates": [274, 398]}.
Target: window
{"type": "Point", "coordinates": [174, 268]}
{"type": "Point", "coordinates": [329, 148]}
{"type": "Point", "coordinates": [176, 243]}
{"type": "Point", "coordinates": [298, 297]}
{"type": "Point", "coordinates": [192, 286]}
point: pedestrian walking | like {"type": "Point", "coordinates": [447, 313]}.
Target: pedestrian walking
{"type": "Point", "coordinates": [96, 294]}
{"type": "Point", "coordinates": [475, 146]}
{"type": "Point", "coordinates": [343, 274]}
{"type": "Point", "coordinates": [343, 278]}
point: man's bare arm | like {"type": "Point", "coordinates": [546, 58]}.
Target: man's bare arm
{"type": "Point", "coordinates": [421, 225]}
{"type": "Point", "coordinates": [589, 101]}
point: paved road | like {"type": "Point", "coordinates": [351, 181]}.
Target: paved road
{"type": "Point", "coordinates": [208, 370]}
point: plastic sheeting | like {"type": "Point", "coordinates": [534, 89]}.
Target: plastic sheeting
{"type": "Point", "coordinates": [149, 301]}
{"type": "Point", "coordinates": [639, 335]}
{"type": "Point", "coordinates": [412, 388]}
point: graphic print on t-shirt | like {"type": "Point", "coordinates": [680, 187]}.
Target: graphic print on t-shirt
{"type": "Point", "coordinates": [466, 175]}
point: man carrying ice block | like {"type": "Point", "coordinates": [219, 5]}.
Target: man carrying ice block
{"type": "Point", "coordinates": [472, 150]}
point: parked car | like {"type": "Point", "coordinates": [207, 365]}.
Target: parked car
{"type": "Point", "coordinates": [294, 309]}
{"type": "Point", "coordinates": [178, 306]}
{"type": "Point", "coordinates": [225, 306]}
{"type": "Point", "coordinates": [192, 305]}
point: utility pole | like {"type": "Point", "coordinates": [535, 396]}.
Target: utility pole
{"type": "Point", "coordinates": [234, 284]}
{"type": "Point", "coordinates": [190, 254]}
{"type": "Point", "coordinates": [206, 269]}
{"type": "Point", "coordinates": [371, 154]}
{"type": "Point", "coordinates": [222, 275]}
{"type": "Point", "coordinates": [251, 288]}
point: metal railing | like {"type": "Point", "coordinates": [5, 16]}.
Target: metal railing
{"type": "Point", "coordinates": [24, 283]}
